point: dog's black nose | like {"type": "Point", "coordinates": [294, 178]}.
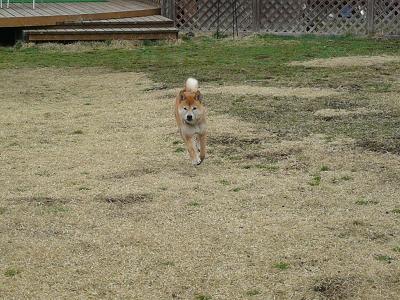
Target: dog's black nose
{"type": "Point", "coordinates": [189, 118]}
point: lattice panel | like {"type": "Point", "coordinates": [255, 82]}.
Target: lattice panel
{"type": "Point", "coordinates": [203, 15]}
{"type": "Point", "coordinates": [387, 17]}
{"type": "Point", "coordinates": [281, 16]}
{"type": "Point", "coordinates": [335, 17]}
{"type": "Point", "coordinates": [359, 17]}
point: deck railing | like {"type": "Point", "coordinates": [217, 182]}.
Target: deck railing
{"type": "Point", "coordinates": [8, 4]}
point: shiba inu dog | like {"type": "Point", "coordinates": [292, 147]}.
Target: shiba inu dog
{"type": "Point", "coordinates": [190, 114]}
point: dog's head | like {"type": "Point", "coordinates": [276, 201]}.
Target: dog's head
{"type": "Point", "coordinates": [191, 107]}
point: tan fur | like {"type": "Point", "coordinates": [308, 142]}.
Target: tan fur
{"type": "Point", "coordinates": [190, 114]}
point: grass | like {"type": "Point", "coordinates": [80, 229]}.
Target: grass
{"type": "Point", "coordinates": [324, 168]}
{"type": "Point", "coordinates": [281, 266]}
{"type": "Point", "coordinates": [12, 272]}
{"type": "Point", "coordinates": [121, 212]}
{"type": "Point", "coordinates": [253, 292]}
{"type": "Point", "coordinates": [366, 202]}
{"type": "Point", "coordinates": [260, 58]}
{"type": "Point", "coordinates": [316, 180]}
{"type": "Point", "coordinates": [384, 258]}
{"type": "Point", "coordinates": [225, 182]}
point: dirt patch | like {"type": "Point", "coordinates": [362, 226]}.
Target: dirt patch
{"type": "Point", "coordinates": [389, 145]}
{"type": "Point", "coordinates": [128, 199]}
{"type": "Point", "coordinates": [348, 61]}
{"type": "Point", "coordinates": [233, 140]}
{"type": "Point", "coordinates": [336, 287]}
{"type": "Point", "coordinates": [330, 113]}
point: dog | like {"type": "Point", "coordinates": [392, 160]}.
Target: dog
{"type": "Point", "coordinates": [190, 114]}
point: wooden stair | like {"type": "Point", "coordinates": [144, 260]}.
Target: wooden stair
{"type": "Point", "coordinates": [137, 28]}
{"type": "Point", "coordinates": [138, 22]}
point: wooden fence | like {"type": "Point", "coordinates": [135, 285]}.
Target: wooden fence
{"type": "Point", "coordinates": [360, 17]}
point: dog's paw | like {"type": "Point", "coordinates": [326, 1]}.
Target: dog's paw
{"type": "Point", "coordinates": [196, 162]}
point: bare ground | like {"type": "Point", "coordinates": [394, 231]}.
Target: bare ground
{"type": "Point", "coordinates": [99, 200]}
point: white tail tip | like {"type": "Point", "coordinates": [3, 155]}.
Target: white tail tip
{"type": "Point", "coordinates": [192, 85]}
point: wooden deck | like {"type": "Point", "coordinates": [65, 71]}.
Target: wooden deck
{"type": "Point", "coordinates": [50, 14]}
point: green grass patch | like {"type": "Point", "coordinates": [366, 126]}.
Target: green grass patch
{"type": "Point", "coordinates": [281, 266]}
{"type": "Point", "coordinates": [384, 258]}
{"type": "Point", "coordinates": [203, 297]}
{"type": "Point", "coordinates": [267, 167]}
{"type": "Point", "coordinates": [366, 202]}
{"type": "Point", "coordinates": [84, 188]}
{"type": "Point", "coordinates": [12, 272]}
{"type": "Point", "coordinates": [346, 178]}
{"type": "Point", "coordinates": [168, 263]}
{"type": "Point", "coordinates": [224, 182]}
{"type": "Point", "coordinates": [316, 180]}
{"type": "Point", "coordinates": [180, 150]}
{"type": "Point", "coordinates": [253, 292]}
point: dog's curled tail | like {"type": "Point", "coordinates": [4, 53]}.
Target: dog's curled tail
{"type": "Point", "coordinates": [192, 85]}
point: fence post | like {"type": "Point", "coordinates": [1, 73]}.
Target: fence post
{"type": "Point", "coordinates": [162, 7]}
{"type": "Point", "coordinates": [256, 15]}
{"type": "Point", "coordinates": [371, 17]}
{"type": "Point", "coordinates": [172, 11]}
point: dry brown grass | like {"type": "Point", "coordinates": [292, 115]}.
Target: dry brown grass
{"type": "Point", "coordinates": [305, 92]}
{"type": "Point", "coordinates": [348, 61]}
{"type": "Point", "coordinates": [98, 201]}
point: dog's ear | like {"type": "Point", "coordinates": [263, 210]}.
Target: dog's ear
{"type": "Point", "coordinates": [199, 96]}
{"type": "Point", "coordinates": [181, 95]}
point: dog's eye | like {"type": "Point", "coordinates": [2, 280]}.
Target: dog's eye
{"type": "Point", "coordinates": [194, 108]}
{"type": "Point", "coordinates": [185, 108]}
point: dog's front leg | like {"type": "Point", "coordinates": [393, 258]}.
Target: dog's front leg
{"type": "Point", "coordinates": [192, 152]}
{"type": "Point", "coordinates": [203, 140]}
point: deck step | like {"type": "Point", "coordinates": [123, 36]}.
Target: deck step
{"type": "Point", "coordinates": [156, 21]}
{"type": "Point", "coordinates": [100, 34]}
